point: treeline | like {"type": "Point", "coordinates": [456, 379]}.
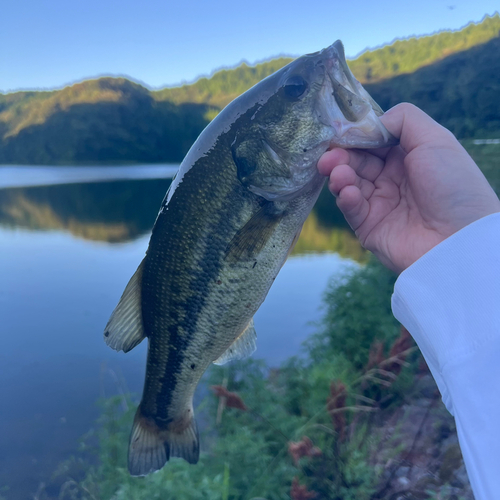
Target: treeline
{"type": "Point", "coordinates": [116, 120]}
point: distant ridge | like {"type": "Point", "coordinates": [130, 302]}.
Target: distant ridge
{"type": "Point", "coordinates": [399, 57]}
{"type": "Point", "coordinates": [407, 55]}
{"type": "Point", "coordinates": [116, 120]}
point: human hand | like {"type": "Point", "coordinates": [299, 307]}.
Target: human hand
{"type": "Point", "coordinates": [404, 200]}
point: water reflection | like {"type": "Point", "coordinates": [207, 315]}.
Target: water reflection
{"type": "Point", "coordinates": [121, 211]}
{"type": "Point", "coordinates": [107, 211]}
{"type": "Point", "coordinates": [59, 284]}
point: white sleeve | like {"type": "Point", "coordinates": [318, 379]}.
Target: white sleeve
{"type": "Point", "coordinates": [449, 300]}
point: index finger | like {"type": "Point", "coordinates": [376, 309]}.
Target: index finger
{"type": "Point", "coordinates": [366, 165]}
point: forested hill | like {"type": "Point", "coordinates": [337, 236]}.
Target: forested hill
{"type": "Point", "coordinates": [400, 57]}
{"type": "Point", "coordinates": [453, 75]}
{"type": "Point", "coordinates": [462, 92]}
{"type": "Point", "coordinates": [104, 120]}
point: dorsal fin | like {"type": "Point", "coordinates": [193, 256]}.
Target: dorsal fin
{"type": "Point", "coordinates": [124, 329]}
{"type": "Point", "coordinates": [242, 347]}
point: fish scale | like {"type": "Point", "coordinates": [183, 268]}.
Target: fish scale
{"type": "Point", "coordinates": [224, 230]}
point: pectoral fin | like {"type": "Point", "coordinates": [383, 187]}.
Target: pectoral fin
{"type": "Point", "coordinates": [242, 347]}
{"type": "Point", "coordinates": [124, 329]}
{"type": "Point", "coordinates": [253, 236]}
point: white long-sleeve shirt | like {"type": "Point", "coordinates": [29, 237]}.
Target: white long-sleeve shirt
{"type": "Point", "coordinates": [449, 300]}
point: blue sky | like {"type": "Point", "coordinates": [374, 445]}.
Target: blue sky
{"type": "Point", "coordinates": [52, 43]}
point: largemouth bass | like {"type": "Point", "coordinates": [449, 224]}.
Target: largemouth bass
{"type": "Point", "coordinates": [226, 226]}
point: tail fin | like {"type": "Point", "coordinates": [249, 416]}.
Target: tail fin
{"type": "Point", "coordinates": [150, 447]}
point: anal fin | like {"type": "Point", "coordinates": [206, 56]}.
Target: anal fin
{"type": "Point", "coordinates": [124, 329]}
{"type": "Point", "coordinates": [242, 347]}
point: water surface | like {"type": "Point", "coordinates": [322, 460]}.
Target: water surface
{"type": "Point", "coordinates": [23, 176]}
{"type": "Point", "coordinates": [67, 250]}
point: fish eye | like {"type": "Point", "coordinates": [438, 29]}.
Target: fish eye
{"type": "Point", "coordinates": [295, 86]}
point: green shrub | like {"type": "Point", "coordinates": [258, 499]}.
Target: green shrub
{"type": "Point", "coordinates": [315, 426]}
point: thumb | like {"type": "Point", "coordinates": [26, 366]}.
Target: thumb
{"type": "Point", "coordinates": [413, 127]}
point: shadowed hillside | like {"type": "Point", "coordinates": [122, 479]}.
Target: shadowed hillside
{"type": "Point", "coordinates": [462, 92]}
{"type": "Point", "coordinates": [455, 78]}
{"type": "Point", "coordinates": [105, 120]}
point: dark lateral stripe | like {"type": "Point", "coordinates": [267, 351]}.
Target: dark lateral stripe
{"type": "Point", "coordinates": [187, 289]}
{"type": "Point", "coordinates": [210, 262]}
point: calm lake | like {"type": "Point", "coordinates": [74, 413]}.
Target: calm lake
{"type": "Point", "coordinates": [70, 239]}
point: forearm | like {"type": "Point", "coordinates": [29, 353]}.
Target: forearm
{"type": "Point", "coordinates": [449, 300]}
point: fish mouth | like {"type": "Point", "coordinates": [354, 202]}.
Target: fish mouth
{"type": "Point", "coordinates": [349, 109]}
